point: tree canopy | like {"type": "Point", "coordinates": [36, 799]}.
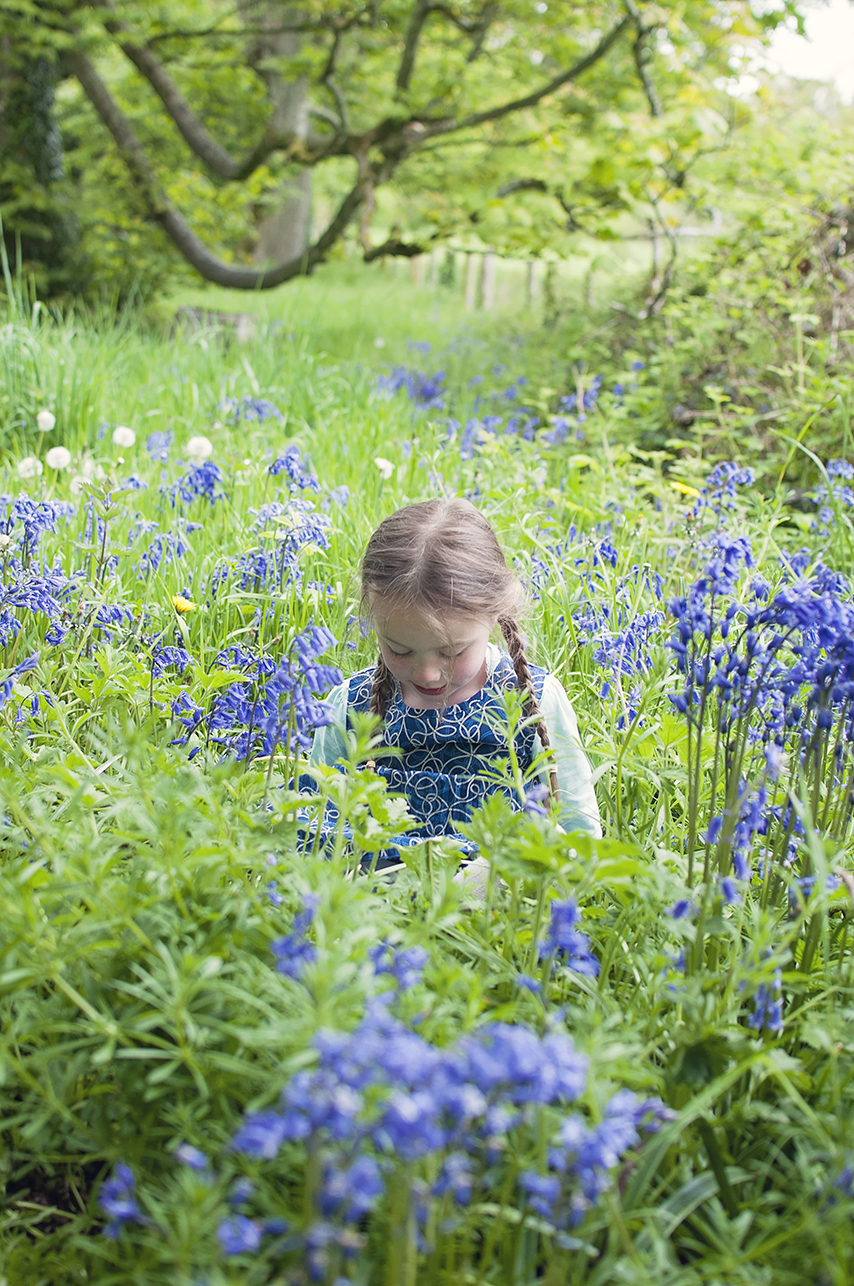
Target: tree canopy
{"type": "Point", "coordinates": [470, 102]}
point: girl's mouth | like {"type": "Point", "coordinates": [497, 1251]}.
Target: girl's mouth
{"type": "Point", "coordinates": [428, 692]}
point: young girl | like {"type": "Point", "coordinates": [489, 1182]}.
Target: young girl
{"type": "Point", "coordinates": [434, 584]}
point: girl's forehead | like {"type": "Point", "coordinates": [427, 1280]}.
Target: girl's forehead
{"type": "Point", "coordinates": [411, 624]}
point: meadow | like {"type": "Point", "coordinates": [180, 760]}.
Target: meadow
{"type": "Point", "coordinates": [230, 1057]}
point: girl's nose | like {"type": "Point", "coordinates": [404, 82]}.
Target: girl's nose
{"type": "Point", "coordinates": [428, 674]}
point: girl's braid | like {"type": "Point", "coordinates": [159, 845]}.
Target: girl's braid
{"type": "Point", "coordinates": [382, 689]}
{"type": "Point", "coordinates": [516, 647]}
{"type": "Point", "coordinates": [380, 696]}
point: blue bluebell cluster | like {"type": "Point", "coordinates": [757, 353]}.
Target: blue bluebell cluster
{"type": "Point", "coordinates": [426, 391]}
{"type": "Point", "coordinates": [294, 951]}
{"type": "Point", "coordinates": [405, 965]}
{"type": "Point", "coordinates": [292, 466]}
{"type": "Point", "coordinates": [244, 410]}
{"type": "Point", "coordinates": [383, 1094]}
{"type": "Point", "coordinates": [565, 943]}
{"type": "Point", "coordinates": [35, 518]}
{"type": "Point", "coordinates": [275, 705]}
{"type": "Point", "coordinates": [775, 670]}
{"type": "Point", "coordinates": [286, 527]}
{"type": "Point", "coordinates": [721, 489]}
{"type": "Point", "coordinates": [169, 657]}
{"type": "Point", "coordinates": [200, 482]}
{"type": "Point", "coordinates": [158, 445]}
{"type": "Point", "coordinates": [38, 591]}
{"type": "Point", "coordinates": [165, 547]}
{"type": "Point", "coordinates": [839, 492]}
{"type": "Point", "coordinates": [23, 667]}
{"type": "Point", "coordinates": [589, 397]}
{"type": "Point", "coordinates": [768, 1006]}
{"type": "Point", "coordinates": [118, 1201]}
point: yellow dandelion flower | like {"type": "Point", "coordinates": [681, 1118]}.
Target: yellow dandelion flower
{"type": "Point", "coordinates": [685, 489]}
{"type": "Point", "coordinates": [182, 604]}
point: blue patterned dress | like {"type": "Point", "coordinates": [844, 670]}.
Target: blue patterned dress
{"type": "Point", "coordinates": [444, 753]}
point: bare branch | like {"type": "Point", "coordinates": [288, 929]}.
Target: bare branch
{"type": "Point", "coordinates": [404, 249]}
{"type": "Point", "coordinates": [487, 17]}
{"type": "Point", "coordinates": [661, 280]}
{"type": "Point", "coordinates": [537, 185]}
{"type": "Point", "coordinates": [643, 57]}
{"type": "Point", "coordinates": [420, 14]}
{"type": "Point", "coordinates": [324, 114]}
{"type": "Point", "coordinates": [531, 100]}
{"type": "Point", "coordinates": [159, 208]}
{"type": "Point", "coordinates": [643, 62]}
{"type": "Point", "coordinates": [217, 33]}
{"type": "Point", "coordinates": [521, 185]}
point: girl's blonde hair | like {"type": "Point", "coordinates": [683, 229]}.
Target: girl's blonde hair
{"type": "Point", "coordinates": [442, 556]}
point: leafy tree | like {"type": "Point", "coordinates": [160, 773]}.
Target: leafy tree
{"type": "Point", "coordinates": [566, 114]}
{"type": "Point", "coordinates": [34, 196]}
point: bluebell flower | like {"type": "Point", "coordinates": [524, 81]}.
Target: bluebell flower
{"type": "Point", "coordinates": [241, 1190]}
{"type": "Point", "coordinates": [537, 800]}
{"type": "Point", "coordinates": [165, 658]}
{"type": "Point", "coordinates": [200, 482]}
{"type": "Point", "coordinates": [682, 908]}
{"type": "Point", "coordinates": [729, 890]}
{"type": "Point", "coordinates": [425, 391]}
{"type": "Point", "coordinates": [157, 445]}
{"type": "Point", "coordinates": [23, 667]}
{"type": "Point", "coordinates": [262, 1133]}
{"type": "Point", "coordinates": [405, 966]}
{"type": "Point", "coordinates": [239, 1235]}
{"type": "Point", "coordinates": [563, 939]}
{"type": "Point", "coordinates": [294, 952]}
{"type": "Point", "coordinates": [273, 894]}
{"type": "Point", "coordinates": [409, 1125]}
{"type": "Point", "coordinates": [768, 1006]}
{"type": "Point", "coordinates": [247, 409]}
{"type": "Point", "coordinates": [117, 1200]}
{"type": "Point", "coordinates": [291, 464]}
{"type": "Point", "coordinates": [455, 1178]}
{"type": "Point", "coordinates": [351, 1191]}
{"type": "Point", "coordinates": [192, 1157]}
{"type": "Point", "coordinates": [540, 1191]}
{"type": "Point", "coordinates": [523, 1067]}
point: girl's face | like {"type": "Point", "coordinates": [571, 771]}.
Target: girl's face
{"type": "Point", "coordinates": [436, 663]}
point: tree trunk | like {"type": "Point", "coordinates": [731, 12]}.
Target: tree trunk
{"type": "Point", "coordinates": [284, 232]}
{"type": "Point", "coordinates": [37, 218]}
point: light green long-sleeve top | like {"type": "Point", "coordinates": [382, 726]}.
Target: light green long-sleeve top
{"type": "Point", "coordinates": [578, 810]}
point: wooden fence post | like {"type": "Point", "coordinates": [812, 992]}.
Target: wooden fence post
{"type": "Point", "coordinates": [471, 280]}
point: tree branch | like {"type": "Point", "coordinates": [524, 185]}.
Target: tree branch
{"type": "Point", "coordinates": [420, 14]}
{"type": "Point", "coordinates": [159, 208]}
{"type": "Point", "coordinates": [217, 159]}
{"type": "Point", "coordinates": [643, 57]}
{"type": "Point", "coordinates": [405, 249]}
{"type": "Point", "coordinates": [531, 100]}
{"type": "Point", "coordinates": [537, 185]}
{"type": "Point", "coordinates": [487, 17]}
{"type": "Point", "coordinates": [521, 185]}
